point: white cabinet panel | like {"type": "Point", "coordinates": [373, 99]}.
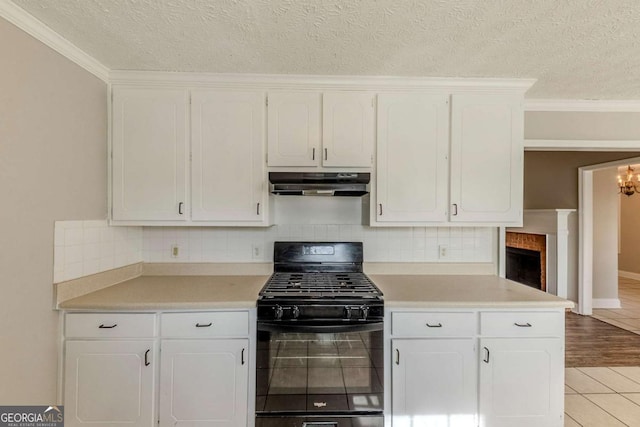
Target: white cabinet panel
{"type": "Point", "coordinates": [294, 128]}
{"type": "Point", "coordinates": [521, 382]}
{"type": "Point", "coordinates": [109, 383]}
{"type": "Point", "coordinates": [228, 171]}
{"type": "Point", "coordinates": [205, 324]}
{"type": "Point", "coordinates": [204, 383]}
{"type": "Point", "coordinates": [109, 325]}
{"type": "Point", "coordinates": [487, 158]}
{"type": "Point", "coordinates": [412, 155]}
{"type": "Point", "coordinates": [348, 129]}
{"type": "Point", "coordinates": [149, 146]}
{"type": "Point", "coordinates": [434, 382]}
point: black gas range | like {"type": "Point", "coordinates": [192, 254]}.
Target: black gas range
{"type": "Point", "coordinates": [320, 346]}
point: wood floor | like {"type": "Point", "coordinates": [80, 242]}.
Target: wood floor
{"type": "Point", "coordinates": [591, 342]}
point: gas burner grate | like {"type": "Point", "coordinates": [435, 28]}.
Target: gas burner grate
{"type": "Point", "coordinates": [326, 284]}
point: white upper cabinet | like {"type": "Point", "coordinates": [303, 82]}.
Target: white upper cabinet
{"type": "Point", "coordinates": [334, 129]}
{"type": "Point", "coordinates": [412, 164]}
{"type": "Point", "coordinates": [294, 126]}
{"type": "Point", "coordinates": [149, 149]}
{"type": "Point", "coordinates": [227, 168]}
{"type": "Point", "coordinates": [487, 158]}
{"type": "Point", "coordinates": [348, 129]}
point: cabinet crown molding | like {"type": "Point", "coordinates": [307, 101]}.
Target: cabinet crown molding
{"type": "Point", "coordinates": [316, 82]}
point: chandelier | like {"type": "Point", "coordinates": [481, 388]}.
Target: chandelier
{"type": "Point", "coordinates": [627, 185]}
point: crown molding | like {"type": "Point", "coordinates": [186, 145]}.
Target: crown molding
{"type": "Point", "coordinates": [311, 82]}
{"type": "Point", "coordinates": [583, 105]}
{"type": "Point", "coordinates": [37, 29]}
{"type": "Point", "coordinates": [580, 145]}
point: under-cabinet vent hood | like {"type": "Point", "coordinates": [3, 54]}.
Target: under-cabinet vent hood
{"type": "Point", "coordinates": [354, 184]}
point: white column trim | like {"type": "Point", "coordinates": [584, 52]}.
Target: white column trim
{"type": "Point", "coordinates": [562, 245]}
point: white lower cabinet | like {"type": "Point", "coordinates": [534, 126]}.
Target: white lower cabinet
{"type": "Point", "coordinates": [434, 382]}
{"type": "Point", "coordinates": [447, 371]}
{"type": "Point", "coordinates": [204, 383]}
{"type": "Point", "coordinates": [521, 382]}
{"type": "Point", "coordinates": [109, 382]}
{"type": "Point", "coordinates": [111, 375]}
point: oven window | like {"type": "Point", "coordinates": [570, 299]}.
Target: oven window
{"type": "Point", "coordinates": [319, 372]}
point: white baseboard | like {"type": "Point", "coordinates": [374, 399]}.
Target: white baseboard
{"type": "Point", "coordinates": [606, 303]}
{"type": "Point", "coordinates": [629, 275]}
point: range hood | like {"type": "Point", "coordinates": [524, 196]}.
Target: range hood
{"type": "Point", "coordinates": [353, 184]}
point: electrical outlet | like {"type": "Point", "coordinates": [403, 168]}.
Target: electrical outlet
{"type": "Point", "coordinates": [256, 251]}
{"type": "Point", "coordinates": [442, 251]}
{"type": "Point", "coordinates": [175, 251]}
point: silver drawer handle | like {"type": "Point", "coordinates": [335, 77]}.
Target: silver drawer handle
{"type": "Point", "coordinates": [203, 325]}
{"type": "Point", "coordinates": [103, 326]}
{"type": "Point", "coordinates": [435, 325]}
{"type": "Point", "coordinates": [523, 325]}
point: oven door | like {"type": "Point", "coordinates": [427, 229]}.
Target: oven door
{"type": "Point", "coordinates": [308, 375]}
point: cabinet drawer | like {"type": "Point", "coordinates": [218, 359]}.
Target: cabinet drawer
{"type": "Point", "coordinates": [205, 324]}
{"type": "Point", "coordinates": [433, 324]}
{"type": "Point", "coordinates": [522, 324]}
{"type": "Point", "coordinates": [109, 325]}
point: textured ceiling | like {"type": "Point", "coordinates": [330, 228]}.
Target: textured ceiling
{"type": "Point", "coordinates": [577, 49]}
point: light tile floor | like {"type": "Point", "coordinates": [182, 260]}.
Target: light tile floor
{"type": "Point", "coordinates": [604, 397]}
{"type": "Point", "coordinates": [627, 317]}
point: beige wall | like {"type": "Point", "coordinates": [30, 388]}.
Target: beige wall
{"type": "Point", "coordinates": [52, 167]}
{"type": "Point", "coordinates": [605, 235]}
{"type": "Point", "coordinates": [551, 178]}
{"type": "Point", "coordinates": [629, 257]}
{"type": "Point", "coordinates": [581, 125]}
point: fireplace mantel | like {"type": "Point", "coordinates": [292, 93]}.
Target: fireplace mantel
{"type": "Point", "coordinates": [559, 227]}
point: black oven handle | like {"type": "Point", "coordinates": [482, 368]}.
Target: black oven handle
{"type": "Point", "coordinates": [319, 329]}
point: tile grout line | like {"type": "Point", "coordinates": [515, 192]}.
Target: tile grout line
{"type": "Point", "coordinates": [609, 368]}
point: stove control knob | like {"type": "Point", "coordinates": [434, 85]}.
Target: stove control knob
{"type": "Point", "coordinates": [278, 312]}
{"type": "Point", "coordinates": [365, 311]}
{"type": "Point", "coordinates": [295, 312]}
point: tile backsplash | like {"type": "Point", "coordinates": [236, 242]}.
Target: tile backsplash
{"type": "Point", "coordinates": [402, 244]}
{"type": "Point", "coordinates": [82, 248]}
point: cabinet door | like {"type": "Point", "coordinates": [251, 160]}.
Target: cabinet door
{"type": "Point", "coordinates": [348, 129]}
{"type": "Point", "coordinates": [434, 382]}
{"type": "Point", "coordinates": [109, 383]}
{"type": "Point", "coordinates": [487, 158]}
{"type": "Point", "coordinates": [149, 167]}
{"type": "Point", "coordinates": [521, 382]}
{"type": "Point", "coordinates": [228, 170]}
{"type": "Point", "coordinates": [204, 383]}
{"type": "Point", "coordinates": [413, 145]}
{"type": "Point", "coordinates": [294, 128]}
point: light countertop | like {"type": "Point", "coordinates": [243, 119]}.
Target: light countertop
{"type": "Point", "coordinates": [400, 291]}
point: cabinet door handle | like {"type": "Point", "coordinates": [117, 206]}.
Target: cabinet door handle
{"type": "Point", "coordinates": [180, 208]}
{"type": "Point", "coordinates": [326, 155]}
{"type": "Point", "coordinates": [146, 358]}
{"type": "Point", "coordinates": [523, 325]}
{"type": "Point", "coordinates": [434, 325]}
{"type": "Point", "coordinates": [487, 354]}
{"type": "Point", "coordinates": [258, 208]}
{"type": "Point", "coordinates": [455, 209]}
{"type": "Point", "coordinates": [397, 356]}
{"type": "Point", "coordinates": [103, 326]}
{"type": "Point", "coordinates": [203, 325]}
{"type": "Point", "coordinates": [242, 357]}
{"type": "Point", "coordinates": [313, 153]}
{"type": "Point", "coordinates": [380, 206]}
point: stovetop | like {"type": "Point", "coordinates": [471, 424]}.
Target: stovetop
{"type": "Point", "coordinates": [319, 281]}
{"type": "Point", "coordinates": [320, 284]}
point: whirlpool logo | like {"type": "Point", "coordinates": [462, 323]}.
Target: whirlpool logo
{"type": "Point", "coordinates": [31, 416]}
